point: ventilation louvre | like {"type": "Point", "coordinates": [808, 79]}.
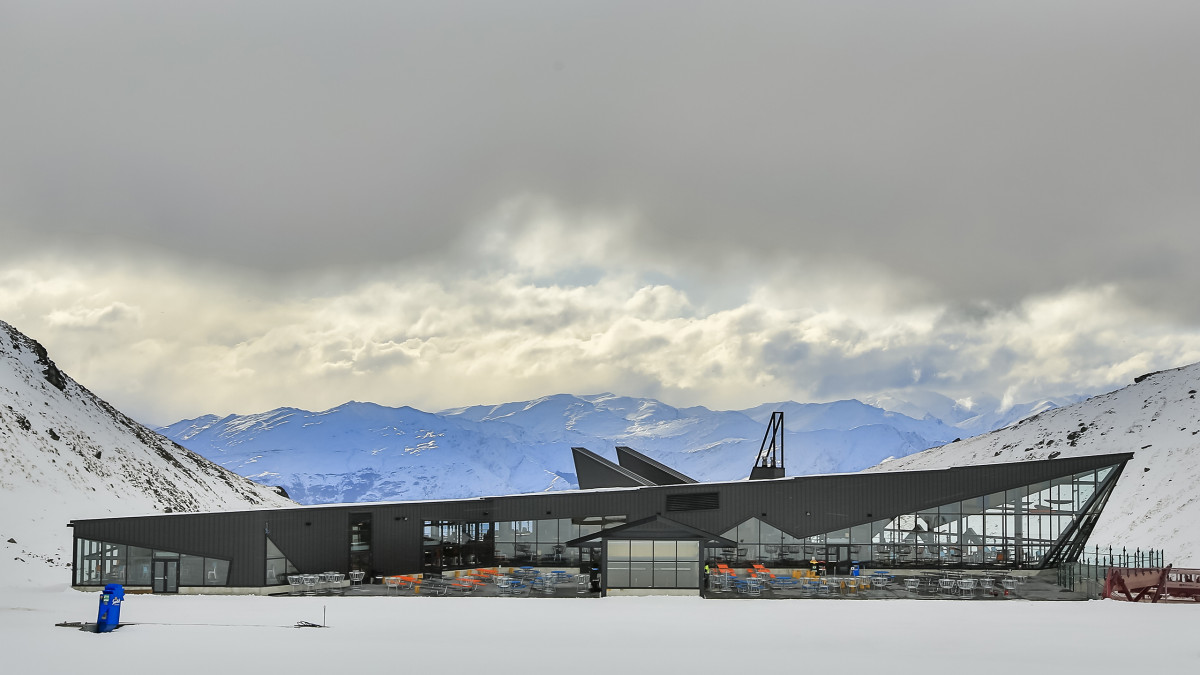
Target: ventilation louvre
{"type": "Point", "coordinates": [699, 501]}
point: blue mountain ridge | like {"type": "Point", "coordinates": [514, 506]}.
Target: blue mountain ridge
{"type": "Point", "coordinates": [367, 452]}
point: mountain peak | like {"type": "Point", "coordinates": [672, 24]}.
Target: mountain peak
{"type": "Point", "coordinates": [69, 454]}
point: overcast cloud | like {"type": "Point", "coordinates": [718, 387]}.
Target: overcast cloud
{"type": "Point", "coordinates": [219, 207]}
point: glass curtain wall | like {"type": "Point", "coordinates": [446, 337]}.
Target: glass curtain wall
{"type": "Point", "coordinates": [1014, 528]}
{"type": "Point", "coordinates": [464, 545]}
{"type": "Point", "coordinates": [652, 564]}
{"type": "Point", "coordinates": [98, 563]}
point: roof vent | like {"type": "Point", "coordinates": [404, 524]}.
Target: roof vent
{"type": "Point", "coordinates": [697, 501]}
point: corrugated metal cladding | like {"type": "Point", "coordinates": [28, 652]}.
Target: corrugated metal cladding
{"type": "Point", "coordinates": [317, 538]}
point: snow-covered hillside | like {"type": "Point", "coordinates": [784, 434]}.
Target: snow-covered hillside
{"type": "Point", "coordinates": [64, 454]}
{"type": "Point", "coordinates": [1157, 501]}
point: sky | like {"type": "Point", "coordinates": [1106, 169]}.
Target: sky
{"type": "Point", "coordinates": [227, 207]}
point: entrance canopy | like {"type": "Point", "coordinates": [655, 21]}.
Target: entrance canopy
{"type": "Point", "coordinates": [655, 528]}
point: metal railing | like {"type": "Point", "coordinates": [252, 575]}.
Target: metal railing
{"type": "Point", "coordinates": [1089, 572]}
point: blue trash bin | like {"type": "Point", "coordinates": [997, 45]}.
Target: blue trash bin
{"type": "Point", "coordinates": [854, 569]}
{"type": "Point", "coordinates": [109, 615]}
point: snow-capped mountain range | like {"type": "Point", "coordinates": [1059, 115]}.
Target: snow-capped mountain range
{"type": "Point", "coordinates": [64, 454]}
{"type": "Point", "coordinates": [68, 454]}
{"type": "Point", "coordinates": [1157, 500]}
{"type": "Point", "coordinates": [368, 452]}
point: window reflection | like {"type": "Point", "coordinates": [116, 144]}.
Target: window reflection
{"type": "Point", "coordinates": [462, 545]}
{"type": "Point", "coordinates": [98, 563]}
{"type": "Point", "coordinates": [652, 564]}
{"type": "Point", "coordinates": [1018, 527]}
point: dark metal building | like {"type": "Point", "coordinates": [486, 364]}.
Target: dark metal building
{"type": "Point", "coordinates": [656, 530]}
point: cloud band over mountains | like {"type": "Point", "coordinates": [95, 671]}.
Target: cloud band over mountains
{"type": "Point", "coordinates": [237, 206]}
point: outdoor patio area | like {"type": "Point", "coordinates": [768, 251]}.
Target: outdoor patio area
{"type": "Point", "coordinates": [723, 583]}
{"type": "Point", "coordinates": [760, 582]}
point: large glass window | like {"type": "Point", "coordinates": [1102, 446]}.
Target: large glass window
{"type": "Point", "coordinates": [652, 564]}
{"type": "Point", "coordinates": [278, 566]}
{"type": "Point", "coordinates": [1018, 527]}
{"type": "Point", "coordinates": [758, 540]}
{"type": "Point", "coordinates": [99, 563]}
{"type": "Point", "coordinates": [360, 542]}
{"type": "Point", "coordinates": [191, 570]}
{"type": "Point", "coordinates": [1014, 528]}
{"type": "Point", "coordinates": [462, 545]}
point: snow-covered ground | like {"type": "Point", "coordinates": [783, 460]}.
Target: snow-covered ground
{"type": "Point", "coordinates": [206, 634]}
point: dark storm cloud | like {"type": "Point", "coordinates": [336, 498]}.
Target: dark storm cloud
{"type": "Point", "coordinates": [991, 149]}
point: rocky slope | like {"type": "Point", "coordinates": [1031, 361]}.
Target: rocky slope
{"type": "Point", "coordinates": [65, 453]}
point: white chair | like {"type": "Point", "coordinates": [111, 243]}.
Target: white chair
{"type": "Point", "coordinates": [946, 585]}
{"type": "Point", "coordinates": [296, 582]}
{"type": "Point", "coordinates": [912, 585]}
{"type": "Point", "coordinates": [967, 586]}
{"type": "Point", "coordinates": [356, 577]}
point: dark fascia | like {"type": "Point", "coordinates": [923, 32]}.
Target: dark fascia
{"type": "Point", "coordinates": [667, 529]}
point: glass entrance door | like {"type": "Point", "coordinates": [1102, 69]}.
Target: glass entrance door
{"type": "Point", "coordinates": [166, 576]}
{"type": "Point", "coordinates": [839, 560]}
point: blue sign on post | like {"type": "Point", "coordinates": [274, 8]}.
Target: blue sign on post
{"type": "Point", "coordinates": [109, 615]}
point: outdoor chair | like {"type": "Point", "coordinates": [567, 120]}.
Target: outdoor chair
{"type": "Point", "coordinates": [392, 584]}
{"type": "Point", "coordinates": [310, 583]}
{"type": "Point", "coordinates": [296, 582]}
{"type": "Point", "coordinates": [987, 585]}
{"type": "Point", "coordinates": [946, 585]}
{"type": "Point", "coordinates": [356, 577]}
{"type": "Point", "coordinates": [751, 587]}
{"type": "Point", "coordinates": [912, 585]}
{"type": "Point", "coordinates": [967, 586]}
{"type": "Point", "coordinates": [1010, 584]}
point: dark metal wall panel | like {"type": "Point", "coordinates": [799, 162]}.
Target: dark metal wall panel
{"type": "Point", "coordinates": [316, 539]}
{"type": "Point", "coordinates": [652, 470]}
{"type": "Point", "coordinates": [594, 471]}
